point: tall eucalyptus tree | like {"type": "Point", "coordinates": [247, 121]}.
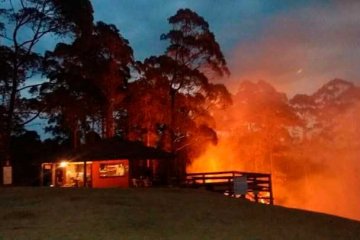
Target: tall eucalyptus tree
{"type": "Point", "coordinates": [23, 24]}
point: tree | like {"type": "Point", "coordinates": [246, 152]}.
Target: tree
{"type": "Point", "coordinates": [147, 107]}
{"type": "Point", "coordinates": [28, 21]}
{"type": "Point", "coordinates": [108, 60]}
{"type": "Point", "coordinates": [260, 119]}
{"type": "Point", "coordinates": [191, 59]}
{"type": "Point", "coordinates": [193, 45]}
{"type": "Point", "coordinates": [90, 77]}
{"type": "Point", "coordinates": [26, 151]}
{"type": "Point", "coordinates": [67, 99]}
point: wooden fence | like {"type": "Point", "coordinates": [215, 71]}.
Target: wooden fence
{"type": "Point", "coordinates": [259, 185]}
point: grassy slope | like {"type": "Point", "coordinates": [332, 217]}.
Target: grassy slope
{"type": "Point", "coordinates": [44, 213]}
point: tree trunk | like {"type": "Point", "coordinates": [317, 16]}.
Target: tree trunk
{"type": "Point", "coordinates": [4, 149]}
{"type": "Point", "coordinates": [109, 121]}
{"type": "Point", "coordinates": [10, 112]}
{"type": "Point", "coordinates": [172, 165]}
{"type": "Point", "coordinates": [9, 117]}
{"type": "Point", "coordinates": [75, 138]}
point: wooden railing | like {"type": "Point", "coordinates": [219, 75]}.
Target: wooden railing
{"type": "Point", "coordinates": [259, 185]}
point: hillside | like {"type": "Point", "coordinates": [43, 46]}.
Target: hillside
{"type": "Point", "coordinates": [44, 213]}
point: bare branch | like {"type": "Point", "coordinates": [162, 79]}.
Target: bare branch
{"type": "Point", "coordinates": [12, 6]}
{"type": "Point", "coordinates": [33, 118]}
{"type": "Point", "coordinates": [6, 37]}
{"type": "Point", "coordinates": [29, 86]}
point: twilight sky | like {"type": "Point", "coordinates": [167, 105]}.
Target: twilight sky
{"type": "Point", "coordinates": [295, 45]}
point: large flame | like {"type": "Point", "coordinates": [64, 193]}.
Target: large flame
{"type": "Point", "coordinates": [332, 191]}
{"type": "Point", "coordinates": [319, 176]}
{"type": "Point", "coordinates": [221, 157]}
{"type": "Point", "coordinates": [322, 175]}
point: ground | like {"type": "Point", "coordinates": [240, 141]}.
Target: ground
{"type": "Point", "coordinates": [164, 213]}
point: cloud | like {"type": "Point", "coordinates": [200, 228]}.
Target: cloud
{"type": "Point", "coordinates": [302, 49]}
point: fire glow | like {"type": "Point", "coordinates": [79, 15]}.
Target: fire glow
{"type": "Point", "coordinates": [326, 192]}
{"type": "Point", "coordinates": [317, 176]}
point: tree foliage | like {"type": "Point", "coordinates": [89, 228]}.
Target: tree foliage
{"type": "Point", "coordinates": [196, 57]}
{"type": "Point", "coordinates": [178, 88]}
{"type": "Point", "coordinates": [90, 77]}
{"type": "Point", "coordinates": [27, 22]}
{"type": "Point", "coordinates": [168, 102]}
{"type": "Point", "coordinates": [192, 44]}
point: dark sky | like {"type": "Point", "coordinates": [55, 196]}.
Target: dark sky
{"type": "Point", "coordinates": [295, 45]}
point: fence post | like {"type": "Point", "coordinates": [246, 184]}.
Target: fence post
{"type": "Point", "coordinates": [271, 191]}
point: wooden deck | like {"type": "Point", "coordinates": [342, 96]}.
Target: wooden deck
{"type": "Point", "coordinates": [259, 185]}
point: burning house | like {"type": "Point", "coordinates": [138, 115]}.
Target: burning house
{"type": "Point", "coordinates": [108, 163]}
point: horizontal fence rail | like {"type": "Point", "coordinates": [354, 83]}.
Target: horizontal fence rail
{"type": "Point", "coordinates": [258, 185]}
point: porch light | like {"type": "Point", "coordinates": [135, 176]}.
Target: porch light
{"type": "Point", "coordinates": [63, 164]}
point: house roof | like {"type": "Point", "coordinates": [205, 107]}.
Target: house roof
{"type": "Point", "coordinates": [108, 149]}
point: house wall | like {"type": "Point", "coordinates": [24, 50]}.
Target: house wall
{"type": "Point", "coordinates": [110, 173]}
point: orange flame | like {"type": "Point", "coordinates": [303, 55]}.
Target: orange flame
{"type": "Point", "coordinates": [320, 177]}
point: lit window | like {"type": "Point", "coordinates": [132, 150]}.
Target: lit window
{"type": "Point", "coordinates": [112, 170]}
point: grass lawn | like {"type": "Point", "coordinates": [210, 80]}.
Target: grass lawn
{"type": "Point", "coordinates": [101, 214]}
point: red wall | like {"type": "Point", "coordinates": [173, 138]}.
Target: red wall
{"type": "Point", "coordinates": [104, 182]}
